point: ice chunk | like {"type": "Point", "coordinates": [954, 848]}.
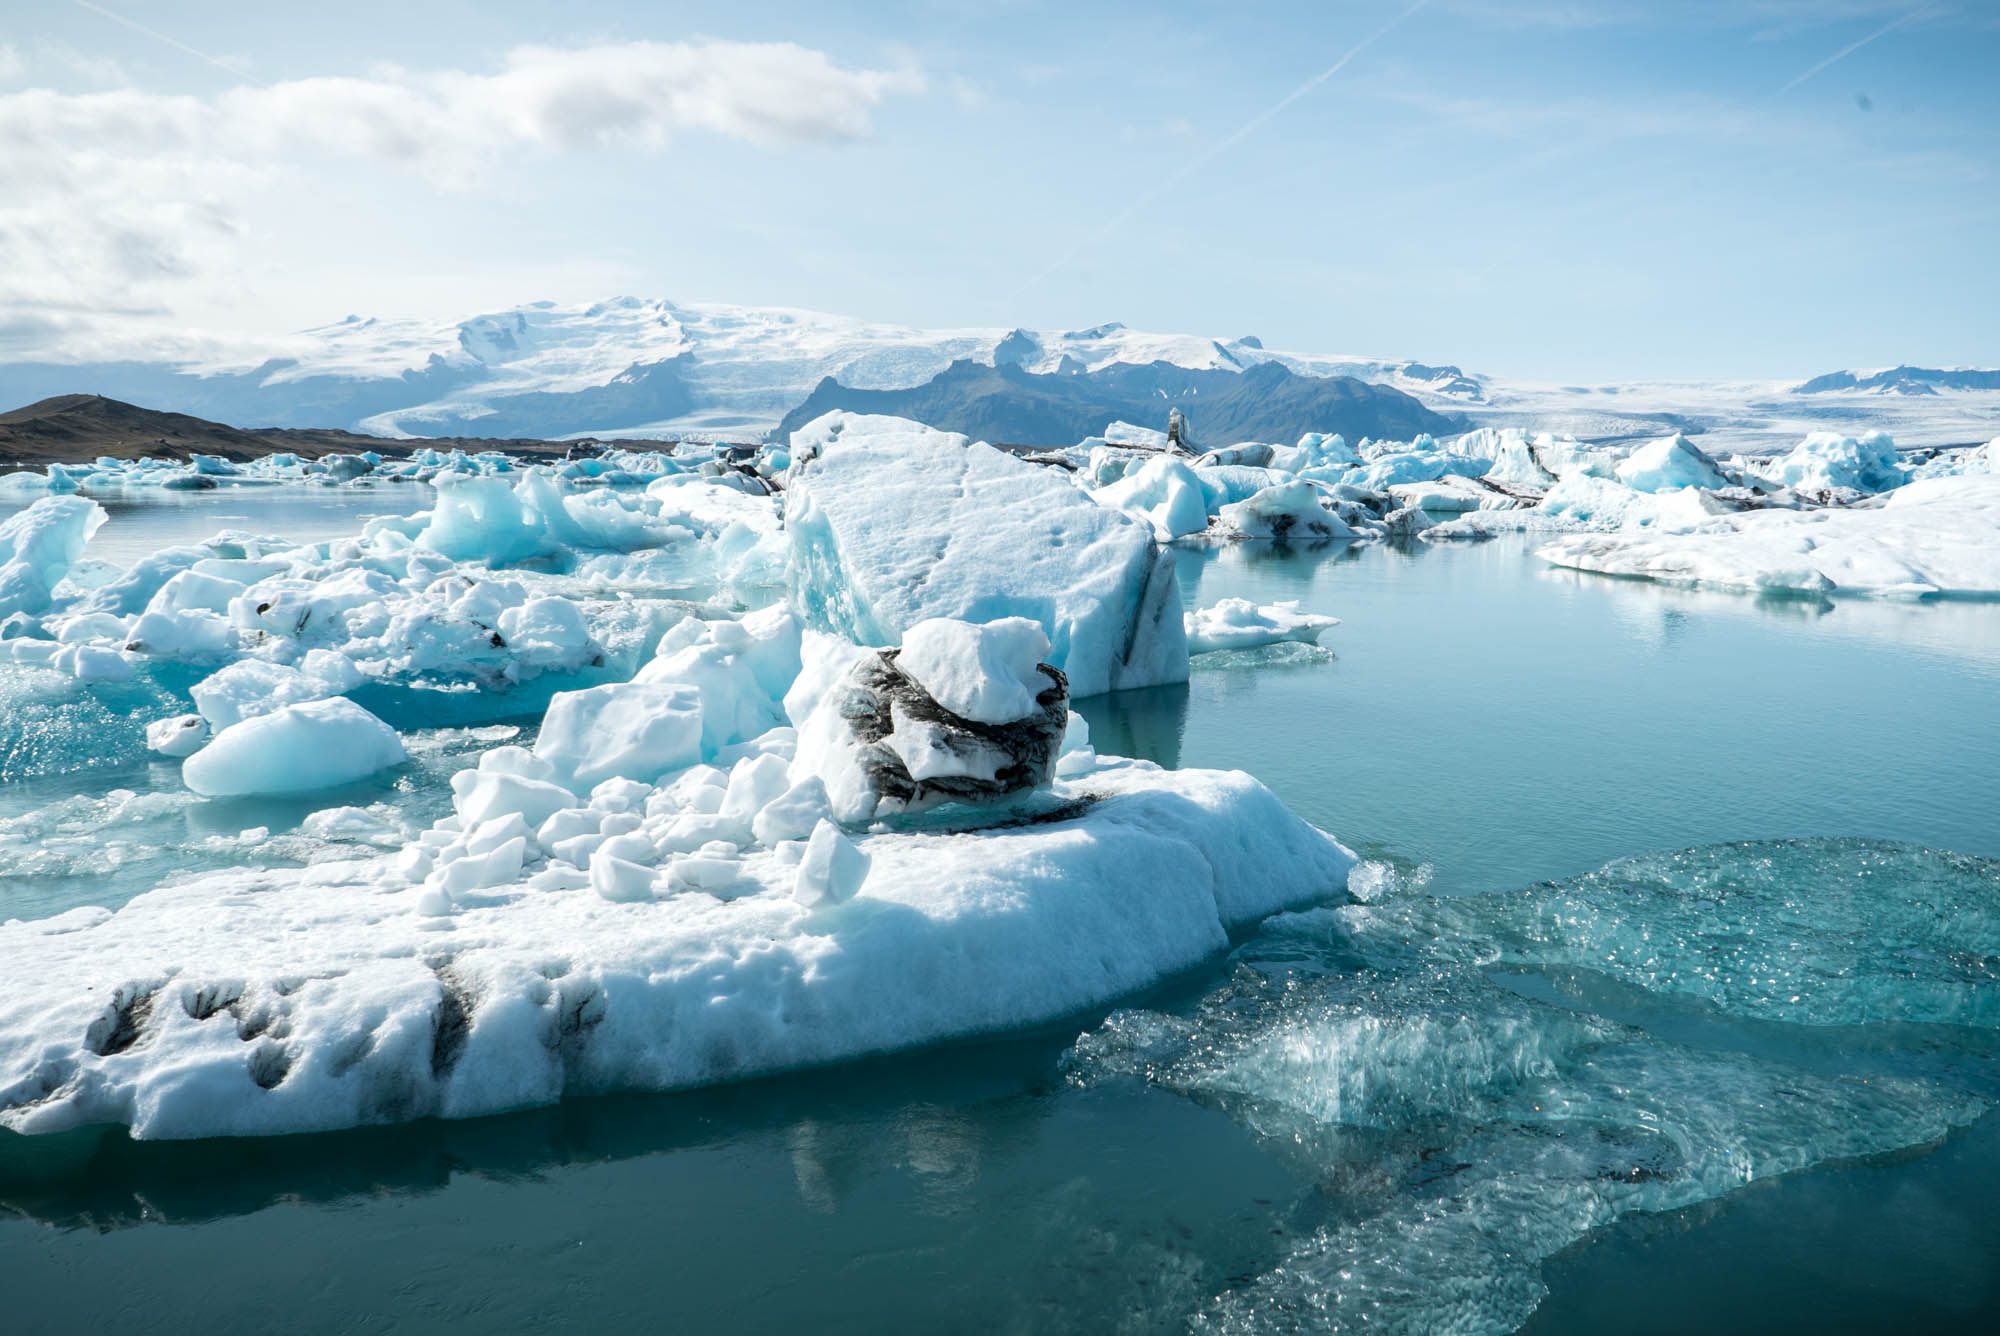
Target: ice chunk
{"type": "Point", "coordinates": [39, 545]}
{"type": "Point", "coordinates": [1670, 462]}
{"type": "Point", "coordinates": [882, 745]}
{"type": "Point", "coordinates": [990, 673]}
{"type": "Point", "coordinates": [295, 749]}
{"type": "Point", "coordinates": [1827, 461]}
{"type": "Point", "coordinates": [618, 880]}
{"type": "Point", "coordinates": [793, 813]}
{"type": "Point", "coordinates": [831, 870]}
{"type": "Point", "coordinates": [720, 660]}
{"type": "Point", "coordinates": [183, 735]}
{"type": "Point", "coordinates": [1516, 461]}
{"type": "Point", "coordinates": [1287, 512]}
{"type": "Point", "coordinates": [634, 730]}
{"type": "Point", "coordinates": [481, 519]}
{"type": "Point", "coordinates": [1237, 623]}
{"type": "Point", "coordinates": [1582, 500]}
{"type": "Point", "coordinates": [195, 591]}
{"type": "Point", "coordinates": [546, 633]}
{"type": "Point", "coordinates": [91, 663]}
{"type": "Point", "coordinates": [892, 523]}
{"type": "Point", "coordinates": [480, 796]}
{"type": "Point", "coordinates": [1164, 494]}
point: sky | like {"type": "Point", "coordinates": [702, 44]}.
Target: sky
{"type": "Point", "coordinates": [1565, 190]}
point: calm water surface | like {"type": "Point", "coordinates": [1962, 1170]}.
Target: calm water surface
{"type": "Point", "coordinates": [1479, 724]}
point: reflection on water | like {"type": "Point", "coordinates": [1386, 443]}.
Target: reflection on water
{"type": "Point", "coordinates": [141, 523]}
{"type": "Point", "coordinates": [1146, 722]}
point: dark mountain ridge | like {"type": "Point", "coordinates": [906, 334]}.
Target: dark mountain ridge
{"type": "Point", "coordinates": [78, 428]}
{"type": "Point", "coordinates": [1006, 404]}
{"type": "Point", "coordinates": [1904, 380]}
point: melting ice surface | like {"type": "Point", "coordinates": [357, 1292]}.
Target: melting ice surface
{"type": "Point", "coordinates": [1341, 1121]}
{"type": "Point", "coordinates": [1437, 1066]}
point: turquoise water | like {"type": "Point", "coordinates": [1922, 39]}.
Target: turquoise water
{"type": "Point", "coordinates": [142, 522]}
{"type": "Point", "coordinates": [1660, 1018]}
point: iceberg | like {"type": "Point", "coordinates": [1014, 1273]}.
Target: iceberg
{"type": "Point", "coordinates": [891, 523]}
{"type": "Point", "coordinates": [1668, 463]}
{"type": "Point", "coordinates": [1929, 537]}
{"type": "Point", "coordinates": [39, 545]}
{"type": "Point", "coordinates": [1164, 494]}
{"type": "Point", "coordinates": [1288, 512]}
{"type": "Point", "coordinates": [1237, 623]}
{"type": "Point", "coordinates": [321, 744]}
{"type": "Point", "coordinates": [1829, 462]}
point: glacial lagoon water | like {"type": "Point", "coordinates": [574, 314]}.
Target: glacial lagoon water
{"type": "Point", "coordinates": [1672, 1006]}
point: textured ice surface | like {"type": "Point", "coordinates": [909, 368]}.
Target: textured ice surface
{"type": "Point", "coordinates": [987, 672]}
{"type": "Point", "coordinates": [1463, 1121]}
{"type": "Point", "coordinates": [1827, 460]}
{"type": "Point", "coordinates": [282, 1000]}
{"type": "Point", "coordinates": [39, 545]}
{"type": "Point", "coordinates": [891, 523]}
{"type": "Point", "coordinates": [1164, 493]}
{"type": "Point", "coordinates": [1933, 536]}
{"type": "Point", "coordinates": [1670, 462]}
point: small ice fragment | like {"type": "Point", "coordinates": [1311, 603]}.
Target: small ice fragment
{"type": "Point", "coordinates": [616, 879]}
{"type": "Point", "coordinates": [179, 736]}
{"type": "Point", "coordinates": [832, 869]}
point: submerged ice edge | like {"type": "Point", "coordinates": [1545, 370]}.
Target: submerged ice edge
{"type": "Point", "coordinates": [1459, 1132]}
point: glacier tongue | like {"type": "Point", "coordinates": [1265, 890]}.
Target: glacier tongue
{"type": "Point", "coordinates": [892, 523]}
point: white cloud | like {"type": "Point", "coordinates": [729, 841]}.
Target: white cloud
{"type": "Point", "coordinates": [116, 200]}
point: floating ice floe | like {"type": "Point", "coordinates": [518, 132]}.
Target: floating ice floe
{"type": "Point", "coordinates": [1668, 463]}
{"type": "Point", "coordinates": [321, 744]}
{"type": "Point", "coordinates": [1237, 623]}
{"type": "Point", "coordinates": [659, 894]}
{"type": "Point", "coordinates": [1935, 536]}
{"type": "Point", "coordinates": [578, 954]}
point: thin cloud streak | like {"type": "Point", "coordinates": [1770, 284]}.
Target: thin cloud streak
{"type": "Point", "coordinates": [157, 36]}
{"type": "Point", "coordinates": [1850, 49]}
{"type": "Point", "coordinates": [1201, 160]}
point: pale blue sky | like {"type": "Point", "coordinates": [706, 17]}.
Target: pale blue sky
{"type": "Point", "coordinates": [1566, 189]}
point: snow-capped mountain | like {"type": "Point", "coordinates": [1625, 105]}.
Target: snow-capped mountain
{"type": "Point", "coordinates": [646, 368]}
{"type": "Point", "coordinates": [1904, 380]}
{"type": "Point", "coordinates": [633, 367]}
